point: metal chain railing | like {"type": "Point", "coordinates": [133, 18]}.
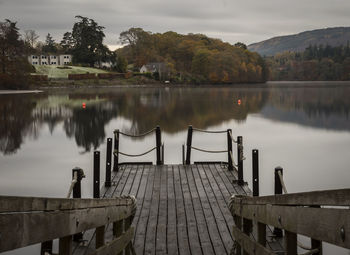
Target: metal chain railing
{"type": "Point", "coordinates": [140, 135]}
{"type": "Point", "coordinates": [134, 155]}
{"type": "Point", "coordinates": [209, 131]}
{"type": "Point", "coordinates": [302, 246]}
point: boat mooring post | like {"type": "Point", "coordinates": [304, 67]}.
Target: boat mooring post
{"type": "Point", "coordinates": [189, 145]}
{"type": "Point", "coordinates": [77, 194]}
{"type": "Point", "coordinates": [108, 162]}
{"type": "Point", "coordinates": [240, 160]}
{"type": "Point", "coordinates": [255, 163]}
{"type": "Point", "coordinates": [159, 145]}
{"type": "Point", "coordinates": [96, 184]}
{"type": "Point", "coordinates": [229, 149]}
{"type": "Point", "coordinates": [278, 190]}
{"type": "Point", "coordinates": [116, 149]}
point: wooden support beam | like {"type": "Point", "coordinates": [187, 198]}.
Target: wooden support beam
{"type": "Point", "coordinates": [261, 233]}
{"type": "Point", "coordinates": [290, 241]}
{"type": "Point", "coordinates": [65, 245]}
{"type": "Point", "coordinates": [100, 236]}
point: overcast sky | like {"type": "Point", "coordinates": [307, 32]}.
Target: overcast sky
{"type": "Point", "coordinates": [247, 21]}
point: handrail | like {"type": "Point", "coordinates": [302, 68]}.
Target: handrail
{"type": "Point", "coordinates": [29, 220]}
{"type": "Point", "coordinates": [296, 214]}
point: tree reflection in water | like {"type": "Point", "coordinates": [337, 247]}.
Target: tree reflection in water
{"type": "Point", "coordinates": [173, 109]}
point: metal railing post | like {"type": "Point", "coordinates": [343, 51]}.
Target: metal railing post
{"type": "Point", "coordinates": [96, 184]}
{"type": "Point", "coordinates": [108, 162]}
{"type": "Point", "coordinates": [189, 145]}
{"type": "Point", "coordinates": [229, 149]}
{"type": "Point", "coordinates": [240, 159]}
{"type": "Point", "coordinates": [116, 149]}
{"type": "Point", "coordinates": [255, 162]}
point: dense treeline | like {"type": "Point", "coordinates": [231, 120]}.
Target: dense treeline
{"type": "Point", "coordinates": [193, 57]}
{"type": "Point", "coordinates": [315, 63]}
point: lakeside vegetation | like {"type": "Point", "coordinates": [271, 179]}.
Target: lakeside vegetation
{"type": "Point", "coordinates": [193, 58]}
{"type": "Point", "coordinates": [316, 63]}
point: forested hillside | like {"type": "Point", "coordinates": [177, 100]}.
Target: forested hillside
{"type": "Point", "coordinates": [193, 57]}
{"type": "Point", "coordinates": [334, 37]}
{"type": "Point", "coordinates": [315, 63]}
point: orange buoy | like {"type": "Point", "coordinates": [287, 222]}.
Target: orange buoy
{"type": "Point", "coordinates": [239, 102]}
{"type": "Point", "coordinates": [84, 105]}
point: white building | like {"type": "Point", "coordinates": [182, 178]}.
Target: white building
{"type": "Point", "coordinates": [60, 60]}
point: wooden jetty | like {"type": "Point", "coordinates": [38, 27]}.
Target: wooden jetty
{"type": "Point", "coordinates": [188, 208]}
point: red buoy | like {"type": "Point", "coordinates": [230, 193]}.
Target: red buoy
{"type": "Point", "coordinates": [239, 102]}
{"type": "Point", "coordinates": [84, 105]}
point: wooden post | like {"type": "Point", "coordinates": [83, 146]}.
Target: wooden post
{"type": "Point", "coordinates": [159, 145]}
{"type": "Point", "coordinates": [96, 174]}
{"type": "Point", "coordinates": [229, 149]}
{"type": "Point", "coordinates": [247, 229]}
{"type": "Point", "coordinates": [108, 162]}
{"type": "Point", "coordinates": [118, 230]}
{"type": "Point", "coordinates": [65, 245]}
{"type": "Point", "coordinates": [46, 247]}
{"type": "Point", "coordinates": [127, 225]}
{"type": "Point", "coordinates": [77, 194]}
{"type": "Point", "coordinates": [262, 234]}
{"type": "Point", "coordinates": [189, 145]}
{"type": "Point", "coordinates": [116, 148]}
{"type": "Point", "coordinates": [100, 236]}
{"type": "Point", "coordinates": [238, 222]}
{"type": "Point", "coordinates": [183, 154]}
{"type": "Point", "coordinates": [290, 243]}
{"type": "Point", "coordinates": [316, 244]}
{"type": "Point", "coordinates": [278, 190]}
{"type": "Point", "coordinates": [163, 154]}
{"type": "Point", "coordinates": [255, 159]}
{"type": "Point", "coordinates": [240, 159]}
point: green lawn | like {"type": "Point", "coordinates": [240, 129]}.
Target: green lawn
{"type": "Point", "coordinates": [54, 72]}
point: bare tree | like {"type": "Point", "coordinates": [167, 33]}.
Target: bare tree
{"type": "Point", "coordinates": [31, 37]}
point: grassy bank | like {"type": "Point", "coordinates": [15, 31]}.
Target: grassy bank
{"type": "Point", "coordinates": [57, 72]}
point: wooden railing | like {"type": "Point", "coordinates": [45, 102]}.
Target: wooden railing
{"type": "Point", "coordinates": [324, 216]}
{"type": "Point", "coordinates": [27, 220]}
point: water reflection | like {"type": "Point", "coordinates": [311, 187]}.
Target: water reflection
{"type": "Point", "coordinates": [173, 109]}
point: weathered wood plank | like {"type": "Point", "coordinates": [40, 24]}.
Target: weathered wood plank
{"type": "Point", "coordinates": [171, 231]}
{"type": "Point", "coordinates": [30, 204]}
{"type": "Point", "coordinates": [181, 218]}
{"type": "Point", "coordinates": [318, 223]}
{"type": "Point", "coordinates": [213, 215]}
{"type": "Point", "coordinates": [65, 245]}
{"type": "Point", "coordinates": [192, 225]}
{"type": "Point", "coordinates": [161, 235]}
{"type": "Point", "coordinates": [151, 231]}
{"type": "Point", "coordinates": [23, 229]}
{"type": "Point", "coordinates": [206, 242]}
{"type": "Point", "coordinates": [250, 246]}
{"type": "Point", "coordinates": [141, 229]}
{"type": "Point", "coordinates": [117, 245]}
{"type": "Point", "coordinates": [339, 197]}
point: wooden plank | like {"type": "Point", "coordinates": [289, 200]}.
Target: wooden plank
{"type": "Point", "coordinates": [220, 207]}
{"type": "Point", "coordinates": [117, 245]}
{"type": "Point", "coordinates": [339, 197]}
{"type": "Point", "coordinates": [183, 243]}
{"type": "Point", "coordinates": [161, 236]}
{"type": "Point", "coordinates": [140, 232]}
{"type": "Point", "coordinates": [151, 231]}
{"type": "Point", "coordinates": [216, 224]}
{"type": "Point", "coordinates": [30, 204]}
{"type": "Point", "coordinates": [116, 177]}
{"type": "Point", "coordinates": [23, 229]}
{"type": "Point", "coordinates": [171, 230]}
{"type": "Point", "coordinates": [100, 236]}
{"type": "Point", "coordinates": [230, 183]}
{"type": "Point", "coordinates": [290, 243]}
{"type": "Point", "coordinates": [318, 223]}
{"type": "Point", "coordinates": [204, 237]}
{"type": "Point", "coordinates": [65, 245]}
{"type": "Point", "coordinates": [130, 181]}
{"type": "Point", "coordinates": [250, 246]}
{"type": "Point", "coordinates": [190, 220]}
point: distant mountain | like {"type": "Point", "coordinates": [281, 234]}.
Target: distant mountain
{"type": "Point", "coordinates": [332, 36]}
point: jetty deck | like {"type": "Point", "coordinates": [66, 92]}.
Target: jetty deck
{"type": "Point", "coordinates": [181, 209]}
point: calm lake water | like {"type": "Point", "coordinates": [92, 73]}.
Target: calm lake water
{"type": "Point", "coordinates": [303, 127]}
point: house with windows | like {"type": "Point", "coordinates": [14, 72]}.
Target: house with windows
{"type": "Point", "coordinates": [59, 60]}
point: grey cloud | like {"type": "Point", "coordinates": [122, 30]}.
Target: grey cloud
{"type": "Point", "coordinates": [230, 20]}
